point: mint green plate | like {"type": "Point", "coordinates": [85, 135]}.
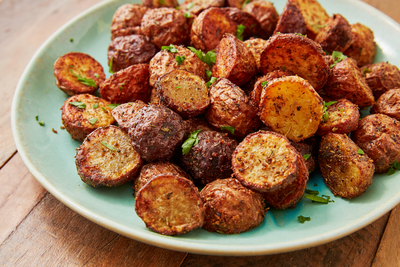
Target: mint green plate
{"type": "Point", "coordinates": [50, 157]}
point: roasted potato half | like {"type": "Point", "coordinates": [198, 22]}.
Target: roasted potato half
{"type": "Point", "coordinates": [107, 158]}
{"type": "Point", "coordinates": [124, 113]}
{"type": "Point", "coordinates": [197, 6]}
{"type": "Point", "coordinates": [127, 20]}
{"type": "Point", "coordinates": [234, 61]}
{"type": "Point", "coordinates": [251, 25]}
{"type": "Point", "coordinates": [388, 104]}
{"type": "Point", "coordinates": [291, 20]}
{"type": "Point", "coordinates": [363, 48]}
{"type": "Point", "coordinates": [297, 54]}
{"type": "Point", "coordinates": [291, 106]}
{"type": "Point", "coordinates": [78, 73]}
{"type": "Point", "coordinates": [160, 3]}
{"type": "Point", "coordinates": [170, 205]}
{"type": "Point", "coordinates": [346, 170]}
{"type": "Point", "coordinates": [82, 114]}
{"type": "Point", "coordinates": [265, 13]}
{"type": "Point", "coordinates": [256, 46]}
{"type": "Point", "coordinates": [381, 77]}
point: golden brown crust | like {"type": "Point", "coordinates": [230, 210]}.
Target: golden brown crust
{"type": "Point", "coordinates": [346, 172]}
{"type": "Point", "coordinates": [231, 208]}
{"type": "Point", "coordinates": [123, 114]}
{"type": "Point", "coordinates": [378, 136]}
{"type": "Point", "coordinates": [266, 15]}
{"type": "Point", "coordinates": [388, 104]}
{"type": "Point", "coordinates": [240, 17]}
{"type": "Point", "coordinates": [209, 27]}
{"type": "Point", "coordinates": [234, 61]}
{"type": "Point", "coordinates": [98, 165]}
{"type": "Point", "coordinates": [73, 64]}
{"type": "Point", "coordinates": [127, 85]}
{"type": "Point", "coordinates": [76, 120]}
{"type": "Point", "coordinates": [298, 55]}
{"type": "Point", "coordinates": [160, 3]}
{"type": "Point", "coordinates": [170, 205]}
{"type": "Point", "coordinates": [381, 77]}
{"type": "Point", "coordinates": [363, 48]}
{"type": "Point", "coordinates": [291, 20]}
{"type": "Point", "coordinates": [195, 7]}
{"type": "Point", "coordinates": [256, 46]}
{"type": "Point", "coordinates": [127, 20]}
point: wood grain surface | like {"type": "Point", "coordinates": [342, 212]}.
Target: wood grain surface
{"type": "Point", "coordinates": [38, 230]}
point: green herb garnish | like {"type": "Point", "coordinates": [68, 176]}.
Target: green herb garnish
{"type": "Point", "coordinates": [306, 156]}
{"type": "Point", "coordinates": [312, 192]}
{"type": "Point", "coordinates": [208, 74]}
{"type": "Point", "coordinates": [112, 106]}
{"type": "Point", "coordinates": [248, 44]}
{"type": "Point", "coordinates": [37, 117]}
{"type": "Point", "coordinates": [393, 168]}
{"type": "Point", "coordinates": [245, 3]}
{"type": "Point", "coordinates": [284, 68]}
{"type": "Point", "coordinates": [180, 59]}
{"type": "Point", "coordinates": [103, 108]}
{"type": "Point", "coordinates": [230, 129]}
{"type": "Point", "coordinates": [190, 142]}
{"type": "Point", "coordinates": [337, 57]}
{"type": "Point", "coordinates": [71, 40]}
{"type": "Point", "coordinates": [93, 120]}
{"type": "Point", "coordinates": [110, 66]}
{"type": "Point", "coordinates": [209, 58]}
{"type": "Point", "coordinates": [96, 105]}
{"type": "Point", "coordinates": [187, 15]}
{"type": "Point", "coordinates": [366, 71]}
{"type": "Point", "coordinates": [78, 104]}
{"type": "Point", "coordinates": [315, 184]}
{"type": "Point", "coordinates": [83, 80]}
{"type": "Point", "coordinates": [96, 75]}
{"type": "Point", "coordinates": [171, 48]}
{"type": "Point", "coordinates": [263, 84]}
{"type": "Point", "coordinates": [314, 198]}
{"type": "Point", "coordinates": [300, 34]}
{"type": "Point", "coordinates": [178, 87]}
{"type": "Point", "coordinates": [41, 123]}
{"type": "Point", "coordinates": [240, 31]}
{"type": "Point", "coordinates": [303, 219]}
{"type": "Point", "coordinates": [210, 82]}
{"type": "Point", "coordinates": [190, 6]}
{"type": "Point", "coordinates": [161, 2]}
{"type": "Point", "coordinates": [360, 151]}
{"type": "Point", "coordinates": [325, 115]}
{"type": "Point", "coordinates": [108, 146]}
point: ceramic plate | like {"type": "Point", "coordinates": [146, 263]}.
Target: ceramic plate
{"type": "Point", "coordinates": [50, 157]}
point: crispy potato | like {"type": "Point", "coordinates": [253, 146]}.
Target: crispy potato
{"type": "Point", "coordinates": [160, 3]}
{"type": "Point", "coordinates": [231, 208]}
{"type": "Point", "coordinates": [363, 48]}
{"type": "Point", "coordinates": [240, 17]}
{"type": "Point", "coordinates": [234, 61]}
{"type": "Point", "coordinates": [265, 161]}
{"type": "Point", "coordinates": [346, 172]}
{"type": "Point", "coordinates": [314, 16]}
{"type": "Point", "coordinates": [229, 106]}
{"type": "Point", "coordinates": [195, 124]}
{"type": "Point", "coordinates": [127, 85]}
{"type": "Point", "coordinates": [266, 15]}
{"type": "Point", "coordinates": [70, 68]}
{"type": "Point", "coordinates": [209, 27]}
{"type": "Point", "coordinates": [256, 46]}
{"type": "Point", "coordinates": [290, 106]}
{"type": "Point", "coordinates": [164, 62]}
{"type": "Point", "coordinates": [195, 7]}
{"type": "Point", "coordinates": [125, 51]}
{"type": "Point", "coordinates": [124, 113]}
{"type": "Point", "coordinates": [107, 158]}
{"type": "Point", "coordinates": [127, 20]}
{"type": "Point", "coordinates": [298, 55]}
{"type": "Point", "coordinates": [336, 35]}
{"type": "Point", "coordinates": [291, 20]}
{"type": "Point", "coordinates": [308, 150]}
{"type": "Point", "coordinates": [165, 26]}
{"type": "Point", "coordinates": [378, 136]}
{"type": "Point", "coordinates": [346, 81]}
{"type": "Point", "coordinates": [342, 118]}
{"type": "Point", "coordinates": [170, 205]}
{"type": "Point", "coordinates": [81, 121]}
{"type": "Point", "coordinates": [381, 77]}
{"type": "Point", "coordinates": [183, 92]}
{"type": "Point", "coordinates": [388, 104]}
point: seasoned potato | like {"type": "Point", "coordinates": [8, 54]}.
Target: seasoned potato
{"type": "Point", "coordinates": [346, 81]}
{"type": "Point", "coordinates": [249, 86]}
{"type": "Point", "coordinates": [298, 55]}
{"type": "Point", "coordinates": [125, 51]}
{"type": "Point", "coordinates": [165, 26]}
{"type": "Point", "coordinates": [336, 35]}
{"type": "Point", "coordinates": [239, 4]}
{"type": "Point", "coordinates": [82, 114]}
{"type": "Point", "coordinates": [78, 73]}
{"type": "Point", "coordinates": [363, 48]}
{"type": "Point", "coordinates": [381, 77]}
{"type": "Point", "coordinates": [127, 20]}
{"type": "Point", "coordinates": [124, 113]}
{"type": "Point", "coordinates": [197, 6]}
{"type": "Point", "coordinates": [342, 118]}
{"type": "Point", "coordinates": [234, 61]}
{"type": "Point", "coordinates": [160, 3]}
{"type": "Point", "coordinates": [209, 27]}
{"type": "Point", "coordinates": [154, 99]}
{"type": "Point", "coordinates": [266, 15]}
{"type": "Point", "coordinates": [229, 106]}
{"type": "Point", "coordinates": [240, 17]}
{"type": "Point", "coordinates": [183, 92]}
{"type": "Point", "coordinates": [256, 46]}
{"type": "Point", "coordinates": [346, 171]}
{"type": "Point", "coordinates": [265, 161]}
{"type": "Point", "coordinates": [388, 104]}
{"type": "Point", "coordinates": [290, 106]}
{"type": "Point", "coordinates": [170, 205]}
{"type": "Point", "coordinates": [127, 85]}
{"type": "Point", "coordinates": [308, 150]}
{"type": "Point", "coordinates": [231, 208]}
{"type": "Point", "coordinates": [378, 136]}
{"type": "Point", "coordinates": [195, 124]}
{"type": "Point", "coordinates": [291, 20]}
{"type": "Point", "coordinates": [164, 62]}
{"type": "Point", "coordinates": [107, 158]}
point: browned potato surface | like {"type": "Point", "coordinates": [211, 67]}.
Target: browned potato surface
{"type": "Point", "coordinates": [127, 85]}
{"type": "Point", "coordinates": [291, 20]}
{"type": "Point", "coordinates": [229, 106]}
{"type": "Point", "coordinates": [378, 136]}
{"type": "Point", "coordinates": [240, 17]}
{"type": "Point", "coordinates": [165, 26]}
{"type": "Point", "coordinates": [388, 104]}
{"type": "Point", "coordinates": [346, 81]}
{"type": "Point", "coordinates": [237, 3]}
{"type": "Point", "coordinates": [78, 73]}
{"type": "Point", "coordinates": [231, 208]}
{"type": "Point", "coordinates": [381, 77]}
{"type": "Point", "coordinates": [124, 113]}
{"type": "Point", "coordinates": [160, 3]}
{"type": "Point", "coordinates": [342, 118]}
{"type": "Point", "coordinates": [80, 121]}
{"type": "Point", "coordinates": [298, 55]}
{"type": "Point", "coordinates": [170, 205]}
{"type": "Point", "coordinates": [347, 172]}
{"type": "Point", "coordinates": [234, 61]}
{"type": "Point", "coordinates": [290, 106]}
{"type": "Point", "coordinates": [127, 20]}
{"type": "Point", "coordinates": [107, 158]}
{"type": "Point", "coordinates": [256, 46]}
{"type": "Point", "coordinates": [195, 124]}
{"type": "Point", "coordinates": [197, 6]}
{"type": "Point", "coordinates": [308, 150]}
{"type": "Point", "coordinates": [209, 27]}
{"type": "Point", "coordinates": [265, 161]}
{"type": "Point", "coordinates": [183, 92]}
{"type": "Point", "coordinates": [266, 15]}
{"type": "Point", "coordinates": [363, 48]}
{"type": "Point", "coordinates": [128, 50]}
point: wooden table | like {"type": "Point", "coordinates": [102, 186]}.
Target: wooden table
{"type": "Point", "coordinates": [33, 229]}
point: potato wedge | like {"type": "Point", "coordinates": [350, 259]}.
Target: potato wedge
{"type": "Point", "coordinates": [256, 46]}
{"type": "Point", "coordinates": [291, 20]}
{"type": "Point", "coordinates": [265, 13]}
{"type": "Point", "coordinates": [363, 48]}
{"type": "Point", "coordinates": [388, 104]}
{"type": "Point", "coordinates": [127, 20]}
{"type": "Point", "coordinates": [290, 106]}
{"type": "Point", "coordinates": [124, 114]}
{"type": "Point", "coordinates": [381, 77]}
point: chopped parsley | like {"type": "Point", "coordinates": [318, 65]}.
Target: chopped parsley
{"type": "Point", "coordinates": [190, 6]}
{"type": "Point", "coordinates": [178, 87]}
{"type": "Point", "coordinates": [171, 48]}
{"type": "Point", "coordinates": [306, 156]}
{"type": "Point", "coordinates": [337, 57]}
{"type": "Point", "coordinates": [300, 34]}
{"type": "Point", "coordinates": [245, 3]}
{"type": "Point", "coordinates": [325, 115]}
{"type": "Point", "coordinates": [248, 44]}
{"type": "Point", "coordinates": [108, 146]}
{"type": "Point", "coordinates": [162, 2]}
{"type": "Point", "coordinates": [187, 15]}
{"type": "Point", "coordinates": [96, 75]}
{"type": "Point", "coordinates": [190, 142]}
{"type": "Point", "coordinates": [37, 117]}
{"type": "Point", "coordinates": [208, 74]}
{"type": "Point", "coordinates": [284, 68]}
{"type": "Point", "coordinates": [315, 184]}
{"type": "Point", "coordinates": [240, 31]}
{"type": "Point", "coordinates": [103, 108]}
{"type": "Point", "coordinates": [230, 129]}
{"type": "Point", "coordinates": [110, 66]}
{"type": "Point", "coordinates": [360, 151]}
{"type": "Point", "coordinates": [112, 106]}
{"type": "Point", "coordinates": [71, 40]}
{"type": "Point", "coordinates": [263, 84]}
{"type": "Point", "coordinates": [180, 59]}
{"type": "Point", "coordinates": [41, 123]}
{"type": "Point", "coordinates": [83, 80]}
{"type": "Point", "coordinates": [393, 168]}
{"type": "Point", "coordinates": [312, 192]}
{"type": "Point", "coordinates": [96, 105]}
{"type": "Point", "coordinates": [210, 82]}
{"type": "Point", "coordinates": [78, 104]}
{"type": "Point", "coordinates": [366, 71]}
{"type": "Point", "coordinates": [209, 58]}
{"type": "Point", "coordinates": [303, 219]}
{"type": "Point", "coordinates": [93, 120]}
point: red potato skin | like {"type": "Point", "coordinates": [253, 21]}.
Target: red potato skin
{"type": "Point", "coordinates": [266, 14]}
{"type": "Point", "coordinates": [127, 20]}
{"type": "Point", "coordinates": [381, 77]}
{"type": "Point", "coordinates": [388, 104]}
